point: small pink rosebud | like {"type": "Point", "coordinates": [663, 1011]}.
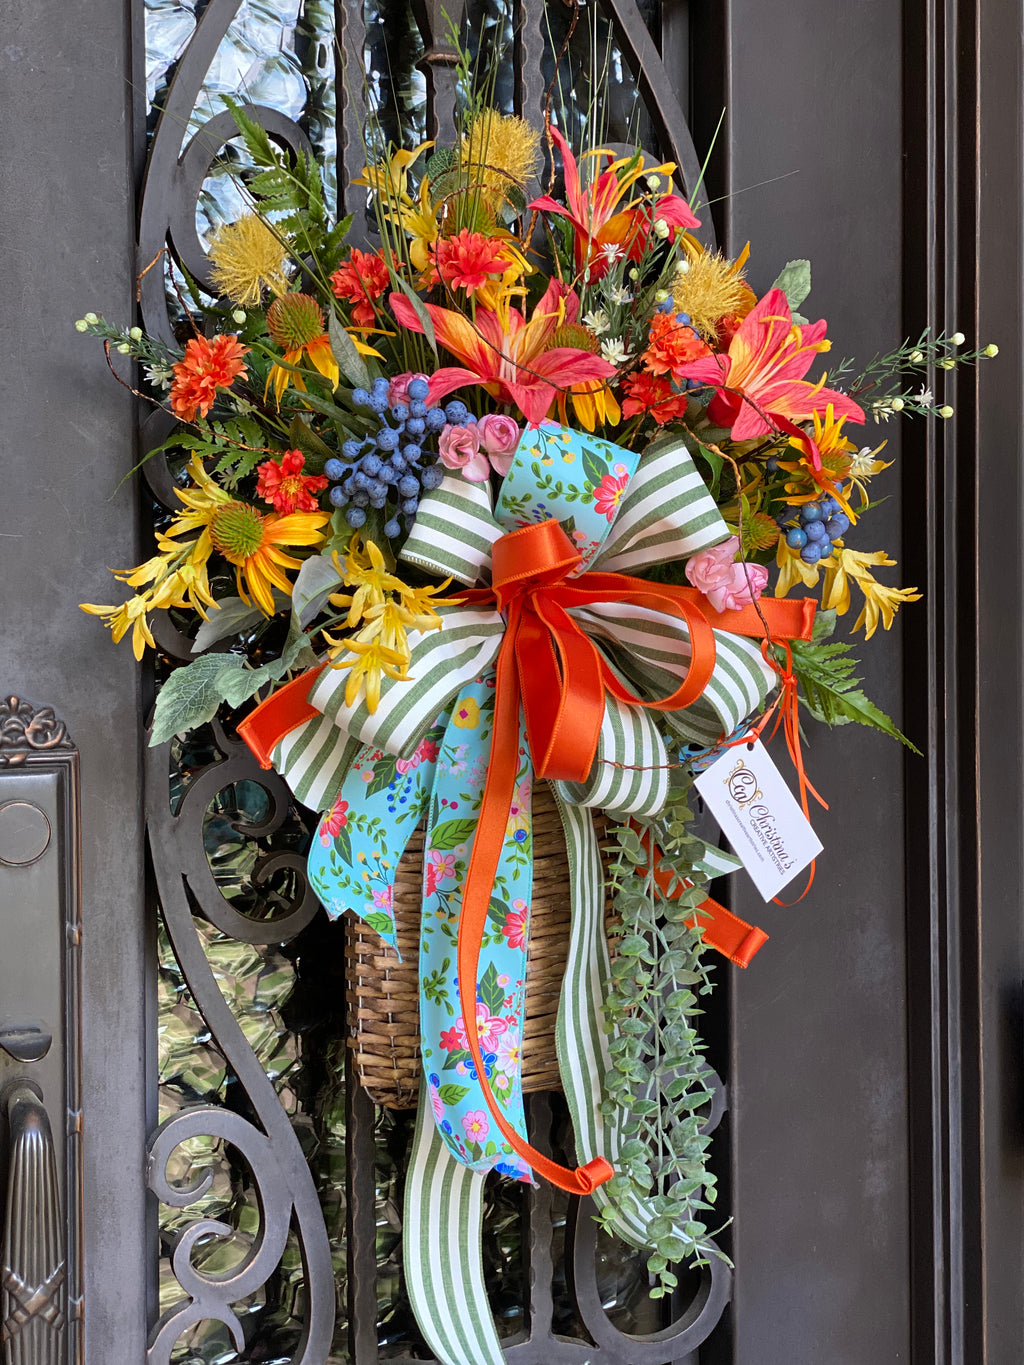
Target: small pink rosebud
{"type": "Point", "coordinates": [460, 449]}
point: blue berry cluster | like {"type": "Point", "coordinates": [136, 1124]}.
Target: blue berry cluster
{"type": "Point", "coordinates": [387, 468]}
{"type": "Point", "coordinates": [813, 526]}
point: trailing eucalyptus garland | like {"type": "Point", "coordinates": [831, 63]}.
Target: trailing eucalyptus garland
{"type": "Point", "coordinates": [659, 1078]}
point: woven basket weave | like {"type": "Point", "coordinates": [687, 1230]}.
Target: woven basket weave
{"type": "Point", "coordinates": [384, 1022]}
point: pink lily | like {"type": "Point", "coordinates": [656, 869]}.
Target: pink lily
{"type": "Point", "coordinates": [759, 382]}
{"type": "Point", "coordinates": [596, 214]}
{"type": "Point", "coordinates": [506, 353]}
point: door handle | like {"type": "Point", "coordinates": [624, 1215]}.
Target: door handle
{"type": "Point", "coordinates": [33, 1268]}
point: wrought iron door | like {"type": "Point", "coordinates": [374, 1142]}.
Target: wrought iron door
{"type": "Point", "coordinates": [882, 1023]}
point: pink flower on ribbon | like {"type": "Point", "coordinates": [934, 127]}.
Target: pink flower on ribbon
{"type": "Point", "coordinates": [426, 753]}
{"type": "Point", "coordinates": [499, 437]}
{"type": "Point", "coordinates": [608, 494]}
{"type": "Point", "coordinates": [510, 1053]}
{"type": "Point", "coordinates": [438, 866]}
{"type": "Point", "coordinates": [728, 586]}
{"type": "Point", "coordinates": [515, 926]}
{"type": "Point", "coordinates": [489, 1028]}
{"type": "Point", "coordinates": [460, 449]}
{"type": "Point", "coordinates": [476, 1125]}
{"type": "Point", "coordinates": [382, 898]}
{"type": "Point", "coordinates": [398, 389]}
{"type": "Point", "coordinates": [334, 821]}
{"type": "Point", "coordinates": [436, 1103]}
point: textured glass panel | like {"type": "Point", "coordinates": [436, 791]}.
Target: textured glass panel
{"type": "Point", "coordinates": [396, 89]}
{"type": "Point", "coordinates": [608, 108]}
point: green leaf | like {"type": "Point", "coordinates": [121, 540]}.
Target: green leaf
{"type": "Point", "coordinates": [192, 695]}
{"type": "Point", "coordinates": [304, 438]}
{"type": "Point", "coordinates": [830, 692]}
{"type": "Point", "coordinates": [450, 834]}
{"type": "Point", "coordinates": [716, 463]}
{"type": "Point", "coordinates": [380, 923]}
{"type": "Point", "coordinates": [491, 994]}
{"type": "Point", "coordinates": [594, 469]}
{"type": "Point", "coordinates": [457, 1055]}
{"type": "Point", "coordinates": [315, 580]}
{"type": "Point", "coordinates": [824, 625]}
{"type": "Point", "coordinates": [450, 1093]}
{"type": "Point", "coordinates": [795, 282]}
{"type": "Point", "coordinates": [230, 616]}
{"type": "Point", "coordinates": [497, 911]}
{"type": "Point", "coordinates": [384, 770]}
{"type": "Point", "coordinates": [350, 362]}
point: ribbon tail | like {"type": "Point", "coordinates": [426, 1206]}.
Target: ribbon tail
{"type": "Point", "coordinates": [441, 1253]}
{"type": "Point", "coordinates": [483, 865]}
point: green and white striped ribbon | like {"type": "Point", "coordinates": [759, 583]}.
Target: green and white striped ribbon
{"type": "Point", "coordinates": [630, 772]}
{"type": "Point", "coordinates": [443, 661]}
{"type": "Point", "coordinates": [667, 513]}
{"type": "Point", "coordinates": [314, 758]}
{"type": "Point", "coordinates": [454, 531]}
{"type": "Point", "coordinates": [657, 649]}
{"type": "Point", "coordinates": [442, 1256]}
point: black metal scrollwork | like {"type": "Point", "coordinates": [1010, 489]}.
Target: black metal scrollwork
{"type": "Point", "coordinates": [282, 1178]}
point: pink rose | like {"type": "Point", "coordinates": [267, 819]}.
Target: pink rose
{"type": "Point", "coordinates": [727, 586]}
{"type": "Point", "coordinates": [398, 389]}
{"type": "Point", "coordinates": [460, 449]}
{"type": "Point", "coordinates": [499, 437]}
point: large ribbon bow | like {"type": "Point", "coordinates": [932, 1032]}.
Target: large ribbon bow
{"type": "Point", "coordinates": [521, 683]}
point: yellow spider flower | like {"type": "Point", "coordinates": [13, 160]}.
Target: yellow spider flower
{"type": "Point", "coordinates": [365, 570]}
{"type": "Point", "coordinates": [880, 602]}
{"type": "Point", "coordinates": [370, 663]}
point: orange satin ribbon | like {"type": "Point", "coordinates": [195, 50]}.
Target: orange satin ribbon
{"type": "Point", "coordinates": [551, 667]}
{"type": "Point", "coordinates": [720, 929]}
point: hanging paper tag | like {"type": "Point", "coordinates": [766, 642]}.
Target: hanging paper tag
{"type": "Point", "coordinates": [759, 816]}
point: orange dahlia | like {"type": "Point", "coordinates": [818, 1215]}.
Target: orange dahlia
{"type": "Point", "coordinates": [209, 365]}
{"type": "Point", "coordinates": [359, 281]}
{"type": "Point", "coordinates": [672, 345]}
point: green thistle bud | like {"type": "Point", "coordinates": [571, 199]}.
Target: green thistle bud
{"type": "Point", "coordinates": [947, 364]}
{"type": "Point", "coordinates": [896, 405]}
{"type": "Point", "coordinates": [945, 411]}
{"type": "Point", "coordinates": [124, 348]}
{"type": "Point", "coordinates": [238, 316]}
{"type": "Point", "coordinates": [91, 319]}
{"type": "Point", "coordinates": [136, 334]}
{"type": "Point", "coordinates": [957, 339]}
{"type": "Point", "coordinates": [991, 350]}
{"type": "Point", "coordinates": [916, 357]}
{"type": "Point", "coordinates": [81, 325]}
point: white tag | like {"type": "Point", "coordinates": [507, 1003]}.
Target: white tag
{"type": "Point", "coordinates": [759, 816]}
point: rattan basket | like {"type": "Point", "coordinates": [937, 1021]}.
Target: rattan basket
{"type": "Point", "coordinates": [384, 1025]}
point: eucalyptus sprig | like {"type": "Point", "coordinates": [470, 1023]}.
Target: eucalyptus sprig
{"type": "Point", "coordinates": [657, 1089]}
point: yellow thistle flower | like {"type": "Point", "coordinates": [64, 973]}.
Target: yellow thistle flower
{"type": "Point", "coordinates": [710, 287]}
{"type": "Point", "coordinates": [247, 258]}
{"type": "Point", "coordinates": [500, 150]}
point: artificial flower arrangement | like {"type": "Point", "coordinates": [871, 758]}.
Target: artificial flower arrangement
{"type": "Point", "coordinates": [521, 490]}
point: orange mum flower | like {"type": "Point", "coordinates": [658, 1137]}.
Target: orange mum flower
{"type": "Point", "coordinates": [209, 365]}
{"type": "Point", "coordinates": [467, 260]}
{"type": "Point", "coordinates": [286, 486]}
{"type": "Point", "coordinates": [360, 280]}
{"type": "Point", "coordinates": [672, 345]}
{"type": "Point", "coordinates": [648, 393]}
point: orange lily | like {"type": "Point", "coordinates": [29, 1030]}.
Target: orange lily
{"type": "Point", "coordinates": [596, 214]}
{"type": "Point", "coordinates": [759, 382]}
{"type": "Point", "coordinates": [506, 353]}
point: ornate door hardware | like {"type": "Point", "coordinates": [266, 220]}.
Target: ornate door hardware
{"type": "Point", "coordinates": [40, 1065]}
